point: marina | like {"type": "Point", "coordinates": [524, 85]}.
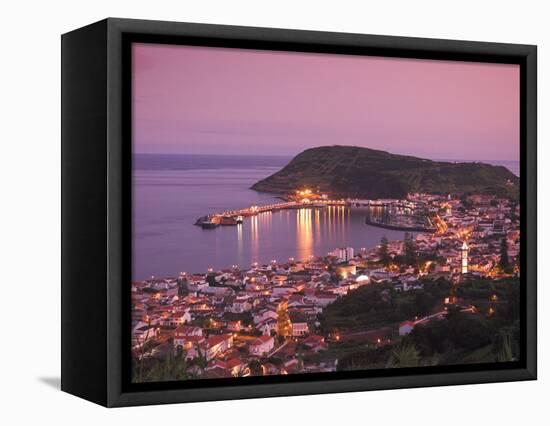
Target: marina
{"type": "Point", "coordinates": [234, 217]}
{"type": "Point", "coordinates": [399, 215]}
{"type": "Point", "coordinates": [171, 194]}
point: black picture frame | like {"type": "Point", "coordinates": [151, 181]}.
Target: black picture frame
{"type": "Point", "coordinates": [96, 204]}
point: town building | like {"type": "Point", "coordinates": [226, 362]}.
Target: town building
{"type": "Point", "coordinates": [464, 258]}
{"type": "Point", "coordinates": [261, 346]}
{"type": "Point", "coordinates": [344, 254]}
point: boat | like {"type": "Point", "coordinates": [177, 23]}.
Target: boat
{"type": "Point", "coordinates": [239, 219]}
{"type": "Point", "coordinates": [228, 221]}
{"type": "Point", "coordinates": [208, 224]}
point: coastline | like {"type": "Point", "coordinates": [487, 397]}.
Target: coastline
{"type": "Point", "coordinates": [370, 222]}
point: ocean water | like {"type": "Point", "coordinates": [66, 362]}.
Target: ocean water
{"type": "Point", "coordinates": [171, 191]}
{"type": "Point", "coordinates": [512, 165]}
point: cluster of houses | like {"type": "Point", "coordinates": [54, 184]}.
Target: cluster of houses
{"type": "Point", "coordinates": [264, 319]}
{"type": "Point", "coordinates": [480, 221]}
{"type": "Point", "coordinates": [228, 318]}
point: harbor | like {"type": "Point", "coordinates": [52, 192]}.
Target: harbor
{"type": "Point", "coordinates": [400, 215]}
{"type": "Point", "coordinates": [299, 200]}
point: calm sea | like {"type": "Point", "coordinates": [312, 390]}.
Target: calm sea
{"type": "Point", "coordinates": [511, 165]}
{"type": "Point", "coordinates": [171, 191]}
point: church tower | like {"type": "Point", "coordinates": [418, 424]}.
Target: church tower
{"type": "Point", "coordinates": [464, 258]}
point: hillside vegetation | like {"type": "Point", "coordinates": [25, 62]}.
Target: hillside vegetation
{"type": "Point", "coordinates": [354, 172]}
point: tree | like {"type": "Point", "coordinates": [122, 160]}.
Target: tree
{"type": "Point", "coordinates": [409, 250]}
{"type": "Point", "coordinates": [503, 262]}
{"type": "Point", "coordinates": [466, 202]}
{"type": "Point", "coordinates": [383, 252]}
{"type": "Point", "coordinates": [504, 347]}
{"type": "Point", "coordinates": [422, 303]}
{"type": "Point", "coordinates": [201, 360]}
{"type": "Point", "coordinates": [173, 367]}
{"type": "Point", "coordinates": [182, 288]}
{"type": "Point", "coordinates": [405, 356]}
{"type": "Point", "coordinates": [466, 331]}
{"type": "Point", "coordinates": [300, 358]}
{"type": "Point", "coordinates": [145, 346]}
{"type": "Point", "coordinates": [255, 368]}
{"type": "Point", "coordinates": [211, 280]}
{"type": "Point", "coordinates": [180, 367]}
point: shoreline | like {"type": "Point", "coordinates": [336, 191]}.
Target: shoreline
{"type": "Point", "coordinates": [399, 227]}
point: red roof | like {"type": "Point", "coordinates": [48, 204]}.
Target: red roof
{"type": "Point", "coordinates": [216, 340]}
{"type": "Point", "coordinates": [314, 340]}
{"type": "Point", "coordinates": [184, 330]}
{"type": "Point", "coordinates": [233, 362]}
{"type": "Point", "coordinates": [190, 339]}
{"type": "Point", "coordinates": [216, 373]}
{"type": "Point", "coordinates": [261, 340]}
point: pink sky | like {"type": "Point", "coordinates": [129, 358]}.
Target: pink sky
{"type": "Point", "coordinates": [204, 100]}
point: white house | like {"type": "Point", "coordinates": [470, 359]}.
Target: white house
{"type": "Point", "coordinates": [323, 299]}
{"type": "Point", "coordinates": [267, 326]}
{"type": "Point", "coordinates": [282, 291]}
{"type": "Point", "coordinates": [240, 304]}
{"type": "Point", "coordinates": [188, 330]}
{"type": "Point", "coordinates": [406, 327]}
{"type": "Point", "coordinates": [264, 314]}
{"type": "Point", "coordinates": [218, 344]}
{"type": "Point", "coordinates": [262, 345]}
{"type": "Point", "coordinates": [298, 324]}
{"type": "Point", "coordinates": [176, 319]}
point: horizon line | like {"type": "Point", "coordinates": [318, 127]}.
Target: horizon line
{"type": "Point", "coordinates": [294, 155]}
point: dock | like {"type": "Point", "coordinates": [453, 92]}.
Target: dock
{"type": "Point", "coordinates": [304, 199]}
{"type": "Point", "coordinates": [234, 217]}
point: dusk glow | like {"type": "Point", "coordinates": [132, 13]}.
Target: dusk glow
{"type": "Point", "coordinates": [248, 262]}
{"type": "Point", "coordinates": [201, 100]}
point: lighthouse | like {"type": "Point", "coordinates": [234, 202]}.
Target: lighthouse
{"type": "Point", "coordinates": [464, 258]}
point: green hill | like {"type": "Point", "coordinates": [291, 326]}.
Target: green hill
{"type": "Point", "coordinates": [348, 171]}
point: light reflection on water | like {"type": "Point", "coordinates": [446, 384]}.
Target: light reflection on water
{"type": "Point", "coordinates": [298, 233]}
{"type": "Point", "coordinates": [171, 192]}
{"type": "Point", "coordinates": [304, 235]}
{"type": "Point", "coordinates": [166, 241]}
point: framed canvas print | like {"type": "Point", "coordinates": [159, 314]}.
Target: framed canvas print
{"type": "Point", "coordinates": [253, 212]}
